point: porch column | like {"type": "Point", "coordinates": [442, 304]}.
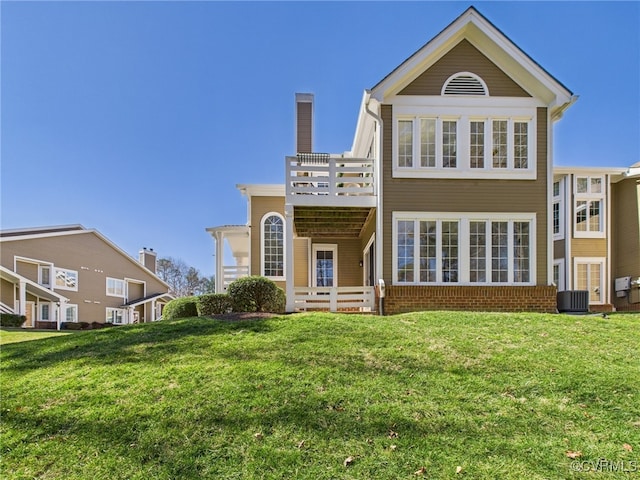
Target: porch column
{"type": "Point", "coordinates": [22, 298]}
{"type": "Point", "coordinates": [219, 262]}
{"type": "Point", "coordinates": [153, 310]}
{"type": "Point", "coordinates": [62, 308]}
{"type": "Point", "coordinates": [288, 252]}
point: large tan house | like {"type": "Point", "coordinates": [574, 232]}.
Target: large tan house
{"type": "Point", "coordinates": [60, 274]}
{"type": "Point", "coordinates": [447, 199]}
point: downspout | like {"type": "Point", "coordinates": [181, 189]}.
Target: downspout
{"type": "Point", "coordinates": [378, 182]}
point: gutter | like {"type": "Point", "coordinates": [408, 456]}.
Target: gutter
{"type": "Point", "coordinates": [378, 182]}
{"type": "Point", "coordinates": [557, 114]}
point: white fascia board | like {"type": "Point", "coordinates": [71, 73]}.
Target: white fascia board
{"type": "Point", "coordinates": [261, 190]}
{"type": "Point", "coordinates": [589, 170]}
{"type": "Point", "coordinates": [494, 45]}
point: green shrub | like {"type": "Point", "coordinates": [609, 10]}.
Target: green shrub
{"type": "Point", "coordinates": [256, 294]}
{"type": "Point", "coordinates": [11, 320]}
{"type": "Point", "coordinates": [182, 307]}
{"type": "Point", "coordinates": [213, 304]}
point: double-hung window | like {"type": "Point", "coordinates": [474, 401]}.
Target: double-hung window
{"type": "Point", "coordinates": [452, 142]}
{"type": "Point", "coordinates": [116, 287]}
{"type": "Point", "coordinates": [66, 279]}
{"type": "Point", "coordinates": [589, 205]}
{"type": "Point", "coordinates": [115, 315]}
{"type": "Point", "coordinates": [558, 209]}
{"type": "Point", "coordinates": [463, 248]}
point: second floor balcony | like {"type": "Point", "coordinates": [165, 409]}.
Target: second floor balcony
{"type": "Point", "coordinates": [325, 180]}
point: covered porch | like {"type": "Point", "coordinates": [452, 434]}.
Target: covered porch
{"type": "Point", "coordinates": [237, 239]}
{"type": "Point", "coordinates": [333, 267]}
{"type": "Point", "coordinates": [28, 297]}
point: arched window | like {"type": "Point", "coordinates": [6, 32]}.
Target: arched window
{"type": "Point", "coordinates": [465, 83]}
{"type": "Point", "coordinates": [272, 228]}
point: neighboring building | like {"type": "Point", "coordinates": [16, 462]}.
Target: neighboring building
{"type": "Point", "coordinates": [446, 197]}
{"type": "Point", "coordinates": [73, 274]}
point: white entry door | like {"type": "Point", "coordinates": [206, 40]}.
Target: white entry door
{"type": "Point", "coordinates": [325, 265]}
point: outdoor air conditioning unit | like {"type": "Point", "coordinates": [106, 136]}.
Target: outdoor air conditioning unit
{"type": "Point", "coordinates": [573, 301]}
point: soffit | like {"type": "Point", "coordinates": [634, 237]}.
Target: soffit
{"type": "Point", "coordinates": [330, 222]}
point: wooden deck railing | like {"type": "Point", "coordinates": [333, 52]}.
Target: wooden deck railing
{"type": "Point", "coordinates": [334, 299]}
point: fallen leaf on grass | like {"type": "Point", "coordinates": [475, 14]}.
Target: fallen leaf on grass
{"type": "Point", "coordinates": [458, 469]}
{"type": "Point", "coordinates": [393, 447]}
{"type": "Point", "coordinates": [348, 461]}
{"type": "Point", "coordinates": [301, 444]}
{"type": "Point", "coordinates": [572, 454]}
{"type": "Point", "coordinates": [627, 447]}
{"type": "Point", "coordinates": [420, 471]}
{"type": "Point", "coordinates": [258, 436]}
{"type": "Point", "coordinates": [393, 434]}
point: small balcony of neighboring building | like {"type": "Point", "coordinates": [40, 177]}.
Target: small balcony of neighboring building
{"type": "Point", "coordinates": [320, 179]}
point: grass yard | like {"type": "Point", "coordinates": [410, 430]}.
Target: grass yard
{"type": "Point", "coordinates": [13, 335]}
{"type": "Point", "coordinates": [321, 396]}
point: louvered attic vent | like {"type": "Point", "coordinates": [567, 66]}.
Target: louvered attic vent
{"type": "Point", "coordinates": [465, 84]}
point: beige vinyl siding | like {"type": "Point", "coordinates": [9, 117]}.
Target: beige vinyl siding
{"type": "Point", "coordinates": [625, 211]}
{"type": "Point", "coordinates": [301, 262]}
{"type": "Point", "coordinates": [135, 291]}
{"type": "Point", "coordinates": [589, 247]}
{"type": "Point", "coordinates": [93, 259]}
{"type": "Point", "coordinates": [472, 60]}
{"type": "Point", "coordinates": [559, 249]}
{"type": "Point", "coordinates": [7, 292]}
{"type": "Point", "coordinates": [26, 269]}
{"type": "Point", "coordinates": [349, 256]}
{"type": "Point", "coordinates": [259, 207]}
{"type": "Point", "coordinates": [368, 230]}
{"type": "Point", "coordinates": [460, 195]}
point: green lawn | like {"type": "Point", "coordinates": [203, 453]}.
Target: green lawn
{"type": "Point", "coordinates": [12, 335]}
{"type": "Point", "coordinates": [321, 396]}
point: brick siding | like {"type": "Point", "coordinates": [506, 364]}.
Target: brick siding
{"type": "Point", "coordinates": [402, 299]}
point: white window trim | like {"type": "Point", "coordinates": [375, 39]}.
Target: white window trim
{"type": "Point", "coordinates": [121, 310]}
{"type": "Point", "coordinates": [463, 244]}
{"type": "Point", "coordinates": [64, 314]}
{"type": "Point", "coordinates": [284, 247]}
{"type": "Point", "coordinates": [51, 310]}
{"type": "Point", "coordinates": [463, 116]}
{"type": "Point", "coordinates": [603, 285]}
{"type": "Point", "coordinates": [124, 287]}
{"type": "Point", "coordinates": [587, 197]}
{"type": "Point", "coordinates": [55, 286]}
{"type": "Point", "coordinates": [559, 262]}
{"type": "Point", "coordinates": [41, 267]}
{"type": "Point", "coordinates": [333, 247]}
{"type": "Point", "coordinates": [559, 199]}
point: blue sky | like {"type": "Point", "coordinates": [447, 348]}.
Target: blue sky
{"type": "Point", "coordinates": [139, 118]}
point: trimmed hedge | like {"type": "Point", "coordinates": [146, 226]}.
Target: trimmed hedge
{"type": "Point", "coordinates": [182, 307]}
{"type": "Point", "coordinates": [11, 320]}
{"type": "Point", "coordinates": [256, 294]}
{"type": "Point", "coordinates": [213, 304]}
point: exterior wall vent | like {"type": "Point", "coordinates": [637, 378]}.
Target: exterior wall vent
{"type": "Point", "coordinates": [465, 83]}
{"type": "Point", "coordinates": [573, 301]}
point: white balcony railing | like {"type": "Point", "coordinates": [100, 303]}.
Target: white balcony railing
{"type": "Point", "coordinates": [232, 273]}
{"type": "Point", "coordinates": [334, 299]}
{"type": "Point", "coordinates": [317, 179]}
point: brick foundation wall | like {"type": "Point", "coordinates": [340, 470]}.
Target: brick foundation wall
{"type": "Point", "coordinates": [402, 299]}
{"type": "Point", "coordinates": [46, 325]}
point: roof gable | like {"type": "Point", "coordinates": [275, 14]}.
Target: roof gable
{"type": "Point", "coordinates": [494, 46]}
{"type": "Point", "coordinates": [430, 81]}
